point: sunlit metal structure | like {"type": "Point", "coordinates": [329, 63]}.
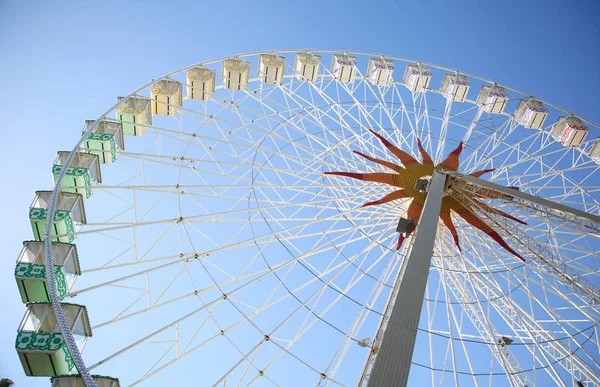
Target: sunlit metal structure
{"type": "Point", "coordinates": [216, 245]}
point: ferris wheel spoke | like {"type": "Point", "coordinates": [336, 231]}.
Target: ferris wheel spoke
{"type": "Point", "coordinates": [245, 371]}
{"type": "Point", "coordinates": [302, 108]}
{"type": "Point", "coordinates": [431, 312]}
{"type": "Point", "coordinates": [261, 273]}
{"type": "Point", "coordinates": [107, 266]}
{"type": "Point", "coordinates": [459, 326]}
{"type": "Point", "coordinates": [507, 312]}
{"type": "Point", "coordinates": [332, 270]}
{"type": "Point", "coordinates": [540, 177]}
{"type": "Point", "coordinates": [356, 256]}
{"type": "Point", "coordinates": [261, 239]}
{"type": "Point", "coordinates": [207, 218]}
{"type": "Point", "coordinates": [196, 140]}
{"type": "Point", "coordinates": [488, 139]}
{"type": "Point", "coordinates": [548, 344]}
{"type": "Point", "coordinates": [558, 353]}
{"type": "Point", "coordinates": [368, 115]}
{"type": "Point", "coordinates": [537, 177]}
{"type": "Point", "coordinates": [182, 258]}
{"type": "Point", "coordinates": [100, 187]}
{"type": "Point", "coordinates": [406, 117]}
{"type": "Point", "coordinates": [304, 328]}
{"type": "Point", "coordinates": [332, 242]}
{"type": "Point", "coordinates": [222, 333]}
{"type": "Point", "coordinates": [112, 237]}
{"type": "Point", "coordinates": [397, 130]}
{"type": "Point", "coordinates": [475, 312]}
{"type": "Point", "coordinates": [365, 114]}
{"type": "Point", "coordinates": [536, 206]}
{"type": "Point", "coordinates": [305, 176]}
{"type": "Point", "coordinates": [318, 121]}
{"type": "Point", "coordinates": [184, 269]}
{"type": "Point", "coordinates": [429, 140]}
{"type": "Point", "coordinates": [217, 234]}
{"type": "Point", "coordinates": [480, 156]}
{"type": "Point", "coordinates": [557, 267]}
{"type": "Point", "coordinates": [556, 292]}
{"type": "Point", "coordinates": [342, 112]}
{"type": "Point", "coordinates": [532, 156]}
{"type": "Point", "coordinates": [183, 354]}
{"type": "Point", "coordinates": [391, 267]}
{"type": "Point", "coordinates": [188, 187]}
{"type": "Point", "coordinates": [214, 118]}
{"type": "Point", "coordinates": [419, 113]}
{"type": "Point", "coordinates": [285, 350]}
{"type": "Point", "coordinates": [122, 316]}
{"type": "Point", "coordinates": [439, 154]}
{"type": "Point", "coordinates": [473, 124]}
{"type": "Point", "coordinates": [169, 349]}
{"type": "Point", "coordinates": [330, 245]}
{"type": "Point", "coordinates": [576, 229]}
{"type": "Point", "coordinates": [130, 276]}
{"type": "Point", "coordinates": [206, 305]}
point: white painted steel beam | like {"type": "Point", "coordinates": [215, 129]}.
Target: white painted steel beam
{"type": "Point", "coordinates": [561, 208]}
{"type": "Point", "coordinates": [392, 364]}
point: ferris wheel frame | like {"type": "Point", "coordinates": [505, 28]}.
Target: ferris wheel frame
{"type": "Point", "coordinates": [55, 300]}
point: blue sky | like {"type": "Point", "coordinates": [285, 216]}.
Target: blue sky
{"type": "Point", "coordinates": [65, 61]}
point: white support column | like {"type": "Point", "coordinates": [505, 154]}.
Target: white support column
{"type": "Point", "coordinates": [392, 364]}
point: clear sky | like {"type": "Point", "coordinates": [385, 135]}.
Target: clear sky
{"type": "Point", "coordinates": [63, 62]}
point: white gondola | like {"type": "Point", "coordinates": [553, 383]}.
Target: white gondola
{"type": "Point", "coordinates": [343, 67]}
{"type": "Point", "coordinates": [531, 114]}
{"type": "Point", "coordinates": [134, 114]}
{"type": "Point", "coordinates": [76, 381]}
{"type": "Point", "coordinates": [105, 141]}
{"type": "Point", "coordinates": [270, 68]}
{"type": "Point", "coordinates": [569, 131]}
{"type": "Point", "coordinates": [167, 96]}
{"type": "Point", "coordinates": [235, 74]}
{"type": "Point", "coordinates": [68, 217]}
{"type": "Point", "coordinates": [200, 83]}
{"type": "Point", "coordinates": [306, 67]}
{"type": "Point", "coordinates": [417, 78]}
{"type": "Point", "coordinates": [595, 151]}
{"type": "Point", "coordinates": [380, 71]}
{"type": "Point", "coordinates": [455, 87]}
{"type": "Point", "coordinates": [40, 344]}
{"type": "Point", "coordinates": [492, 99]}
{"type": "Point", "coordinates": [30, 271]}
{"type": "Point", "coordinates": [83, 172]}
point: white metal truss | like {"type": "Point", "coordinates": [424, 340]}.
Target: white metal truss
{"type": "Point", "coordinates": [473, 309]}
{"type": "Point", "coordinates": [555, 348]}
{"type": "Point", "coordinates": [564, 272]}
{"type": "Point", "coordinates": [219, 229]}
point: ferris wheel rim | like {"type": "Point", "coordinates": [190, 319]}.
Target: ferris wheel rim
{"type": "Point", "coordinates": [57, 187]}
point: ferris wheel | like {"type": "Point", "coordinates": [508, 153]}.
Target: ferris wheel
{"type": "Point", "coordinates": [318, 218]}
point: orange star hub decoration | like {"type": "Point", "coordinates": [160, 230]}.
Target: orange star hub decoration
{"type": "Point", "coordinates": [405, 177]}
